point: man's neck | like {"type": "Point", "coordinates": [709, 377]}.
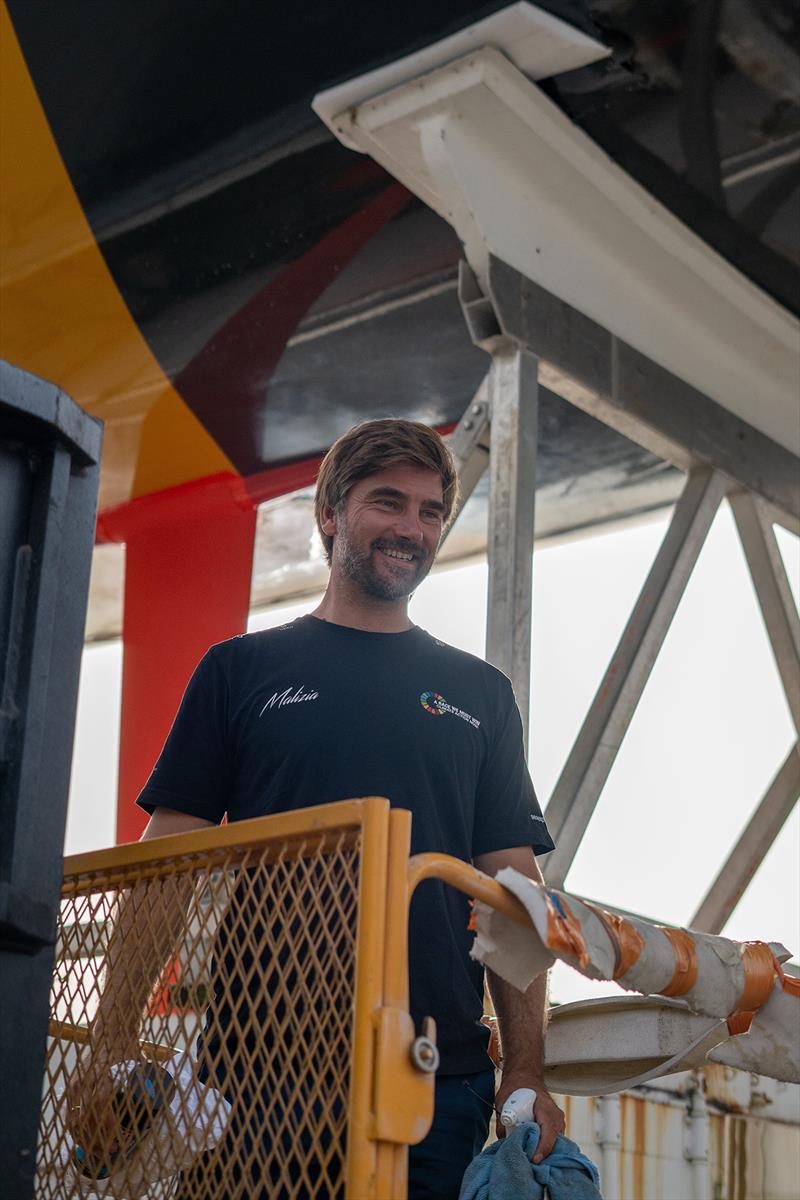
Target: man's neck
{"type": "Point", "coordinates": [344, 606]}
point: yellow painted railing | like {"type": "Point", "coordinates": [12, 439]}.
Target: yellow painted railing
{"type": "Point", "coordinates": [285, 939]}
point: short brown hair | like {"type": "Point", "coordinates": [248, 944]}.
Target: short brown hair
{"type": "Point", "coordinates": [372, 446]}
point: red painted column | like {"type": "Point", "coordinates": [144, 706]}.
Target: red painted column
{"type": "Point", "coordinates": [188, 567]}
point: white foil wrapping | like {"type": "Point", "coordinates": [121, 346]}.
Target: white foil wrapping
{"type": "Point", "coordinates": [194, 1122]}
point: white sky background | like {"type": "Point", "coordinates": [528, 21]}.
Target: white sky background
{"type": "Point", "coordinates": [709, 735]}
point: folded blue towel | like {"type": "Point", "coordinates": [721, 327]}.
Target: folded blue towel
{"type": "Point", "coordinates": [504, 1170]}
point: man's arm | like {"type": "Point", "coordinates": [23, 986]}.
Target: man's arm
{"type": "Point", "coordinates": [147, 924]}
{"type": "Point", "coordinates": [146, 927]}
{"type": "Point", "coordinates": [521, 1017]}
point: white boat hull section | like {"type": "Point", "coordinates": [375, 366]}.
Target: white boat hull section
{"type": "Point", "coordinates": [772, 1044]}
{"type": "Point", "coordinates": [535, 41]}
{"type": "Point", "coordinates": [601, 1046]}
{"type": "Point", "coordinates": [485, 148]}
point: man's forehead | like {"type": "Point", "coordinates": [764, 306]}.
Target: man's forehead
{"type": "Point", "coordinates": [421, 482]}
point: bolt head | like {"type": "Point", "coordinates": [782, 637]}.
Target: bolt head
{"type": "Point", "coordinates": [425, 1055]}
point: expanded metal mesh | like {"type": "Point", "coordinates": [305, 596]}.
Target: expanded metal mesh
{"type": "Point", "coordinates": [244, 959]}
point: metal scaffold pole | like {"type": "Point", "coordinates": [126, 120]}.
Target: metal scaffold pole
{"type": "Point", "coordinates": [773, 591]}
{"type": "Point", "coordinates": [750, 850]}
{"type": "Point", "coordinates": [513, 389]}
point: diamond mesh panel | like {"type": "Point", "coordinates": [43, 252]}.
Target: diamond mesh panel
{"type": "Point", "coordinates": [244, 957]}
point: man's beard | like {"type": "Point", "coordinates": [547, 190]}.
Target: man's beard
{"type": "Point", "coordinates": [378, 585]}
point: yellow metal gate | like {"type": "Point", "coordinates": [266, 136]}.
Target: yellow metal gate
{"type": "Point", "coordinates": [286, 937]}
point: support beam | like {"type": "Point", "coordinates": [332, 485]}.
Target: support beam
{"type": "Point", "coordinates": [582, 780]}
{"type": "Point", "coordinates": [188, 568]}
{"type": "Point", "coordinates": [747, 855]}
{"type": "Point", "coordinates": [687, 345]}
{"type": "Point", "coordinates": [513, 395]}
{"type": "Point", "coordinates": [773, 591]}
{"type": "Point", "coordinates": [470, 443]}
{"type": "Point", "coordinates": [612, 381]}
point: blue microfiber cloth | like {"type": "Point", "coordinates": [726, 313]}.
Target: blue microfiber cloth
{"type": "Point", "coordinates": [504, 1170]}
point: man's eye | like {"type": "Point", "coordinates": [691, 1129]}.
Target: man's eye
{"type": "Point", "coordinates": [432, 515]}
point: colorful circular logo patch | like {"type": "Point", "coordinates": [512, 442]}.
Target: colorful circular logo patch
{"type": "Point", "coordinates": [433, 703]}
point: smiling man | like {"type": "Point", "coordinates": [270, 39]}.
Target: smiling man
{"type": "Point", "coordinates": [354, 700]}
{"type": "Point", "coordinates": [381, 531]}
{"type": "Point", "coordinates": [382, 504]}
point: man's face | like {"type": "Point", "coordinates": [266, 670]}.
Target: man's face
{"type": "Point", "coordinates": [386, 537]}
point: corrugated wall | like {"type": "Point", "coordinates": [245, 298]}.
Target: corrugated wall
{"type": "Point", "coordinates": [748, 1157]}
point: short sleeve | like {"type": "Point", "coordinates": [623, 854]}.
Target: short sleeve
{"type": "Point", "coordinates": [507, 812]}
{"type": "Point", "coordinates": [192, 774]}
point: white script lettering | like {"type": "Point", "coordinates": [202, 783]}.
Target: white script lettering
{"type": "Point", "coordinates": [289, 696]}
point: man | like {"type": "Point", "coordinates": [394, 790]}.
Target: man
{"type": "Point", "coordinates": [354, 700]}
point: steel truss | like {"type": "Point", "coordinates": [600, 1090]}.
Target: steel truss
{"type": "Point", "coordinates": [534, 338]}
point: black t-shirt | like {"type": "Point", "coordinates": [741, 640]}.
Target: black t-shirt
{"type": "Point", "coordinates": [312, 713]}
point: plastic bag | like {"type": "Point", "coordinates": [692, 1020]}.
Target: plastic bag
{"type": "Point", "coordinates": [193, 1122]}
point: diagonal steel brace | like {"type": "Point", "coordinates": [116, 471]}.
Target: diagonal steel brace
{"type": "Point", "coordinates": [596, 747]}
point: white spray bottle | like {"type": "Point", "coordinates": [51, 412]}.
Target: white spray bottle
{"type": "Point", "coordinates": [518, 1108]}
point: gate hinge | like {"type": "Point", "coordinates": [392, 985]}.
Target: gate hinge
{"type": "Point", "coordinates": [405, 1072]}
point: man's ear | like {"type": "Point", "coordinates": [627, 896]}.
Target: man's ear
{"type": "Point", "coordinates": [328, 520]}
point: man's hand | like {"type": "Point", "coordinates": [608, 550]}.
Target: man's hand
{"type": "Point", "coordinates": [89, 1113]}
{"type": "Point", "coordinates": [521, 1018]}
{"type": "Point", "coordinates": [546, 1113]}
{"type": "Point", "coordinates": [147, 924]}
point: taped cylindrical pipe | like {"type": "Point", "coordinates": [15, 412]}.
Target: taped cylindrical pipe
{"type": "Point", "coordinates": [715, 975]}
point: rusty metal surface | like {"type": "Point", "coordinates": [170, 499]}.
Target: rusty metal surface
{"type": "Point", "coordinates": [751, 1149]}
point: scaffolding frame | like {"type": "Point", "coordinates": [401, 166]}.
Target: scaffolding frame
{"type": "Point", "coordinates": [534, 338]}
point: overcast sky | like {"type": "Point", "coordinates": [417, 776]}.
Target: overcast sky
{"type": "Point", "coordinates": [708, 737]}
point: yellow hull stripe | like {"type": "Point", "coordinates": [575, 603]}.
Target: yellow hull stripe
{"type": "Point", "coordinates": [62, 316]}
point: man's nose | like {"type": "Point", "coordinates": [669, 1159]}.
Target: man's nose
{"type": "Point", "coordinates": [409, 525]}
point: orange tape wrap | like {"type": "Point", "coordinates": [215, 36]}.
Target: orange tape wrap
{"type": "Point", "coordinates": [791, 984]}
{"type": "Point", "coordinates": [564, 933]}
{"type": "Point", "coordinates": [739, 1022]}
{"type": "Point", "coordinates": [759, 976]}
{"type": "Point", "coordinates": [628, 943]}
{"type": "Point", "coordinates": [472, 923]}
{"type": "Point", "coordinates": [761, 968]}
{"type": "Point", "coordinates": [685, 952]}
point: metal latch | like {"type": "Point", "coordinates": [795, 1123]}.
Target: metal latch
{"type": "Point", "coordinates": [405, 1066]}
